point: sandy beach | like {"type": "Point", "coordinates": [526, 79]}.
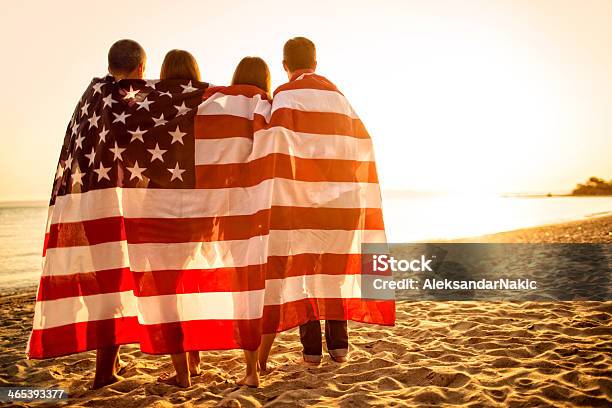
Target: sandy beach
{"type": "Point", "coordinates": [439, 353]}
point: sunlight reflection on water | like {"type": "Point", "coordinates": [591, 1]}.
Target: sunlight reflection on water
{"type": "Point", "coordinates": [411, 218]}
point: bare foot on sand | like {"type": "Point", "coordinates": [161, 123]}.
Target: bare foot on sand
{"type": "Point", "coordinates": [103, 382]}
{"type": "Point", "coordinates": [194, 370]}
{"type": "Point", "coordinates": [250, 380]}
{"type": "Point", "coordinates": [173, 379]}
{"type": "Point", "coordinates": [194, 363]}
{"type": "Point", "coordinates": [264, 368]}
{"type": "Point", "coordinates": [120, 366]}
{"type": "Point", "coordinates": [108, 365]}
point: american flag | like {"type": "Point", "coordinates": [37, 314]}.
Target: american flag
{"type": "Point", "coordinates": [188, 217]}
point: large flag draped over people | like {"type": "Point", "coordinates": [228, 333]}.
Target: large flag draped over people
{"type": "Point", "coordinates": [187, 217]}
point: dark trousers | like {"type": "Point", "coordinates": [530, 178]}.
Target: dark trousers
{"type": "Point", "coordinates": [336, 337]}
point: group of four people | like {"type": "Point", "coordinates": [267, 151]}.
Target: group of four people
{"type": "Point", "coordinates": [127, 61]}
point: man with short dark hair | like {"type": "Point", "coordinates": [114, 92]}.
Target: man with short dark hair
{"type": "Point", "coordinates": [300, 57]}
{"type": "Point", "coordinates": [288, 110]}
{"type": "Point", "coordinates": [299, 53]}
{"type": "Point", "coordinates": [126, 60]}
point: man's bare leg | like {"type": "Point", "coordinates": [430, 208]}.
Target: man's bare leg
{"type": "Point", "coordinates": [194, 363]}
{"type": "Point", "coordinates": [181, 366]}
{"type": "Point", "coordinates": [251, 378]}
{"type": "Point", "coordinates": [264, 351]}
{"type": "Point", "coordinates": [107, 361]}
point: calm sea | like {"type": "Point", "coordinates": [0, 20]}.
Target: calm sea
{"type": "Point", "coordinates": [408, 218]}
{"type": "Point", "coordinates": [22, 232]}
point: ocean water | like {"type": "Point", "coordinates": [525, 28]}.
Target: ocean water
{"type": "Point", "coordinates": [22, 233]}
{"type": "Point", "coordinates": [408, 218]}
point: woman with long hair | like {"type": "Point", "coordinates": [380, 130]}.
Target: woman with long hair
{"type": "Point", "coordinates": [254, 71]}
{"type": "Point", "coordinates": [180, 64]}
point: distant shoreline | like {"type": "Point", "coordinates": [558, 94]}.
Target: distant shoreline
{"type": "Point", "coordinates": [594, 229]}
{"type": "Point", "coordinates": [24, 204]}
{"type": "Point", "coordinates": [549, 195]}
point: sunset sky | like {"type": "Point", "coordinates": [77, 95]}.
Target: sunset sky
{"type": "Point", "coordinates": [493, 96]}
